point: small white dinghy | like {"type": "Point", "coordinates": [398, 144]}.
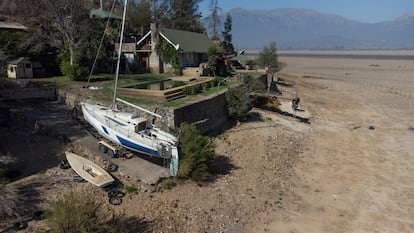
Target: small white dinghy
{"type": "Point", "coordinates": [89, 170]}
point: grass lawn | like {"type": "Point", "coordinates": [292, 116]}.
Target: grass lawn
{"type": "Point", "coordinates": [106, 81]}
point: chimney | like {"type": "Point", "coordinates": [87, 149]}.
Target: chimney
{"type": "Point", "coordinates": [154, 61]}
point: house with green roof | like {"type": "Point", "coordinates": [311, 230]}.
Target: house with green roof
{"type": "Point", "coordinates": [192, 49]}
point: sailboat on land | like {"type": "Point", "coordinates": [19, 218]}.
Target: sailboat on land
{"type": "Point", "coordinates": [129, 130]}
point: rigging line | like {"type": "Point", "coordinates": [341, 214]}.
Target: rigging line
{"type": "Point", "coordinates": [101, 42]}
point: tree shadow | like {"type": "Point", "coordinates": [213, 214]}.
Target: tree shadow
{"type": "Point", "coordinates": [31, 197]}
{"type": "Point", "coordinates": [282, 82]}
{"type": "Point", "coordinates": [31, 153]}
{"type": "Point", "coordinates": [220, 167]}
{"type": "Point", "coordinates": [300, 119]}
{"type": "Point", "coordinates": [26, 203]}
{"type": "Point", "coordinates": [133, 224]}
{"type": "Point", "coordinates": [254, 117]}
{"type": "Point", "coordinates": [230, 123]}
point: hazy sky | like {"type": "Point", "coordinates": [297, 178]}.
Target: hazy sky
{"type": "Point", "coordinates": [360, 10]}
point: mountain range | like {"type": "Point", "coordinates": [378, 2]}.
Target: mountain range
{"type": "Point", "coordinates": [309, 29]}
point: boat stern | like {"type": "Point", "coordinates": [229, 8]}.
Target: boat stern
{"type": "Point", "coordinates": [174, 162]}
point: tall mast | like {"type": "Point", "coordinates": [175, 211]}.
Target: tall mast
{"type": "Point", "coordinates": [119, 55]}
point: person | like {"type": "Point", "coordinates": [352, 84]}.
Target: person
{"type": "Point", "coordinates": [295, 103]}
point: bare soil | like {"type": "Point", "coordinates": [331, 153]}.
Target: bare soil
{"type": "Point", "coordinates": [276, 174]}
{"type": "Point", "coordinates": [353, 179]}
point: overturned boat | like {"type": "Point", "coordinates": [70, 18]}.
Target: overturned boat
{"type": "Point", "coordinates": [89, 170]}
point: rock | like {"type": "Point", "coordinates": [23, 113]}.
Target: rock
{"type": "Point", "coordinates": [147, 188]}
{"type": "Point", "coordinates": [174, 203]}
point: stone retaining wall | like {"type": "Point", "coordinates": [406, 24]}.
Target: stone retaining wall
{"type": "Point", "coordinates": [209, 115]}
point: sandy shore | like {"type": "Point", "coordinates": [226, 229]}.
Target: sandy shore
{"type": "Point", "coordinates": [353, 179]}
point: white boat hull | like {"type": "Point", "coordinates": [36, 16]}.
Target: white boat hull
{"type": "Point", "coordinates": [104, 128]}
{"type": "Point", "coordinates": [114, 126]}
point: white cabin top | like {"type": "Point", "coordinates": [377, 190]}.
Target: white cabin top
{"type": "Point", "coordinates": [130, 118]}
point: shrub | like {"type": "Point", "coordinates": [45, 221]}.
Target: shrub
{"type": "Point", "coordinates": [131, 189]}
{"type": "Point", "coordinates": [74, 72]}
{"type": "Point", "coordinates": [82, 213]}
{"type": "Point", "coordinates": [187, 90]}
{"type": "Point", "coordinates": [197, 154]}
{"type": "Point", "coordinates": [170, 55]}
{"type": "Point", "coordinates": [239, 103]}
{"type": "Point", "coordinates": [197, 88]}
{"type": "Point", "coordinates": [192, 90]}
{"type": "Point", "coordinates": [215, 81]}
{"type": "Point", "coordinates": [177, 69]}
{"type": "Point", "coordinates": [254, 85]}
{"type": "Point", "coordinates": [169, 184]}
{"type": "Point", "coordinates": [178, 84]}
{"type": "Point", "coordinates": [205, 86]}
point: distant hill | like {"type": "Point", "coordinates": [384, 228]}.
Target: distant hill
{"type": "Point", "coordinates": [310, 29]}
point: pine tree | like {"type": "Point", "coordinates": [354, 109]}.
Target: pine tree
{"type": "Point", "coordinates": [227, 37]}
{"type": "Point", "coordinates": [139, 16]}
{"type": "Point", "coordinates": [214, 19]}
{"type": "Point", "coordinates": [184, 15]}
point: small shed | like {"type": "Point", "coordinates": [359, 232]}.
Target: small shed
{"type": "Point", "coordinates": [20, 68]}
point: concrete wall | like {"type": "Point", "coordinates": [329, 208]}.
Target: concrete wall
{"type": "Point", "coordinates": [209, 116]}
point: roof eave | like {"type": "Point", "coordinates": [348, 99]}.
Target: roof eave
{"type": "Point", "coordinates": [176, 46]}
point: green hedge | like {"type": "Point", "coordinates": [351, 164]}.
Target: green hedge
{"type": "Point", "coordinates": [74, 72]}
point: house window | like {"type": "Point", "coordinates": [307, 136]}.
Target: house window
{"type": "Point", "coordinates": [28, 66]}
{"type": "Point", "coordinates": [11, 69]}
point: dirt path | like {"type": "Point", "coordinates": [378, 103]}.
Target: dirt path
{"type": "Point", "coordinates": [352, 179]}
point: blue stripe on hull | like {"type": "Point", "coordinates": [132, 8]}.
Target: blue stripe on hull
{"type": "Point", "coordinates": [137, 147]}
{"type": "Point", "coordinates": [105, 130]}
